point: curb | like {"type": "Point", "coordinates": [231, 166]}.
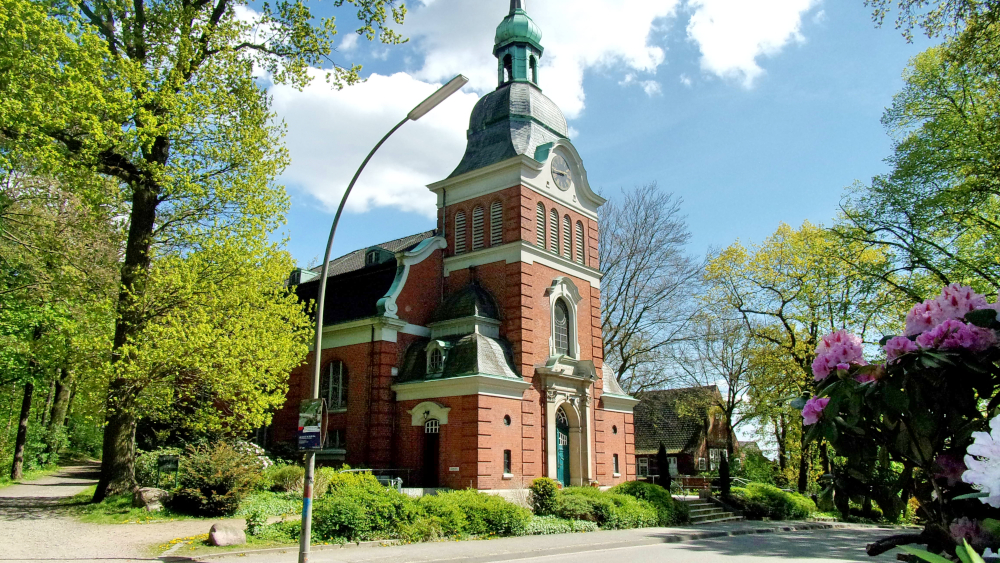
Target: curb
{"type": "Point", "coordinates": [676, 537]}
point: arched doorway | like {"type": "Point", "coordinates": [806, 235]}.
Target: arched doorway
{"type": "Point", "coordinates": [432, 453]}
{"type": "Point", "coordinates": [562, 447]}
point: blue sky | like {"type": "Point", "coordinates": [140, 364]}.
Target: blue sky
{"type": "Point", "coordinates": [754, 112]}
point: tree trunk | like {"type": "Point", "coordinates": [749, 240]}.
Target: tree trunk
{"type": "Point", "coordinates": [60, 404]}
{"type": "Point", "coordinates": [804, 465]}
{"type": "Point", "coordinates": [10, 416]}
{"type": "Point", "coordinates": [69, 407]}
{"type": "Point", "coordinates": [824, 455]}
{"type": "Point", "coordinates": [780, 433]}
{"type": "Point", "coordinates": [48, 403]}
{"type": "Point", "coordinates": [17, 468]}
{"type": "Point", "coordinates": [118, 455]}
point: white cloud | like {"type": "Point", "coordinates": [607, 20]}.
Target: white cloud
{"type": "Point", "coordinates": [578, 35]}
{"type": "Point", "coordinates": [330, 132]}
{"type": "Point", "coordinates": [650, 87]}
{"type": "Point", "coordinates": [733, 34]}
{"type": "Point", "coordinates": [685, 80]}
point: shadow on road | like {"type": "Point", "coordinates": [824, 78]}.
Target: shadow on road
{"type": "Point", "coordinates": [847, 545]}
{"type": "Point", "coordinates": [45, 498]}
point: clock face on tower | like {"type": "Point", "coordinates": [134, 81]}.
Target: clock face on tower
{"type": "Point", "coordinates": [561, 173]}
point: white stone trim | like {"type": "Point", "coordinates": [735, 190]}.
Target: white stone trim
{"type": "Point", "coordinates": [563, 287]}
{"type": "Point", "coordinates": [478, 384]}
{"type": "Point", "coordinates": [466, 325]}
{"type": "Point", "coordinates": [618, 403]}
{"type": "Point", "coordinates": [404, 259]}
{"type": "Point", "coordinates": [360, 332]}
{"type": "Point", "coordinates": [522, 251]}
{"type": "Point", "coordinates": [427, 410]}
{"type": "Point", "coordinates": [577, 407]}
{"type": "Point", "coordinates": [416, 330]}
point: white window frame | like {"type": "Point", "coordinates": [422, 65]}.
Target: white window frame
{"type": "Point", "coordinates": [442, 348]}
{"type": "Point", "coordinates": [478, 237]}
{"type": "Point", "coordinates": [496, 223]}
{"type": "Point", "coordinates": [338, 403]}
{"type": "Point", "coordinates": [460, 232]}
{"type": "Point", "coordinates": [702, 464]}
{"type": "Point", "coordinates": [564, 288]}
{"type": "Point", "coordinates": [614, 460]}
{"type": "Point", "coordinates": [540, 226]}
{"type": "Point", "coordinates": [642, 467]}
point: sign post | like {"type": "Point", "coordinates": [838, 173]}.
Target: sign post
{"type": "Point", "coordinates": [165, 464]}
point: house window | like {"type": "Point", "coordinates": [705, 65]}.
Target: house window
{"type": "Point", "coordinates": [496, 223]}
{"type": "Point", "coordinates": [615, 459]}
{"type": "Point", "coordinates": [333, 386]}
{"type": "Point", "coordinates": [371, 258]}
{"type": "Point", "coordinates": [714, 456]}
{"type": "Point", "coordinates": [567, 238]}
{"type": "Point", "coordinates": [436, 361]}
{"type": "Point", "coordinates": [460, 232]}
{"type": "Point", "coordinates": [335, 440]}
{"type": "Point", "coordinates": [701, 464]}
{"type": "Point", "coordinates": [506, 420]}
{"type": "Point", "coordinates": [477, 228]}
{"type": "Point", "coordinates": [561, 336]}
{"type": "Point", "coordinates": [533, 65]}
{"type": "Point", "coordinates": [642, 468]}
{"type": "Point", "coordinates": [554, 234]}
{"type": "Point", "coordinates": [580, 256]}
{"type": "Point", "coordinates": [614, 429]}
{"type": "Point", "coordinates": [432, 426]}
{"type": "Point", "coordinates": [506, 462]}
{"type": "Point", "coordinates": [540, 225]}
{"type": "Point", "coordinates": [508, 68]}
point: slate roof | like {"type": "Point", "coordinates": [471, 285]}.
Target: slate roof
{"type": "Point", "coordinates": [470, 354]}
{"type": "Point", "coordinates": [514, 119]}
{"type": "Point", "coordinates": [657, 419]}
{"type": "Point", "coordinates": [471, 300]}
{"type": "Point", "coordinates": [353, 261]}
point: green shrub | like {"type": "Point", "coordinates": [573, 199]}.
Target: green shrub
{"type": "Point", "coordinates": [487, 514]}
{"type": "Point", "coordinates": [542, 525]}
{"type": "Point", "coordinates": [256, 520]}
{"type": "Point", "coordinates": [542, 496]}
{"type": "Point", "coordinates": [630, 512]}
{"type": "Point", "coordinates": [321, 480]}
{"type": "Point", "coordinates": [271, 504]}
{"type": "Point", "coordinates": [336, 517]}
{"type": "Point", "coordinates": [608, 510]}
{"type": "Point", "coordinates": [215, 478]}
{"type": "Point", "coordinates": [422, 528]}
{"type": "Point", "coordinates": [447, 509]}
{"type": "Point", "coordinates": [286, 478]}
{"type": "Point", "coordinates": [359, 507]}
{"type": "Point", "coordinates": [145, 468]}
{"type": "Point", "coordinates": [669, 511]}
{"type": "Point", "coordinates": [759, 500]}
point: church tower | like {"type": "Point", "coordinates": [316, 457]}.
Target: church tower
{"type": "Point", "coordinates": [514, 360]}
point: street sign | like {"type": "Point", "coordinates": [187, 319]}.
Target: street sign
{"type": "Point", "coordinates": [312, 424]}
{"type": "Point", "coordinates": [167, 464]}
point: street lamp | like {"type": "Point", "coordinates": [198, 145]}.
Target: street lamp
{"type": "Point", "coordinates": [416, 113]}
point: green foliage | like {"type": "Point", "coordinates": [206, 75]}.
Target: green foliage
{"type": "Point", "coordinates": [146, 464]}
{"type": "Point", "coordinates": [610, 511]}
{"type": "Point", "coordinates": [447, 512]}
{"type": "Point", "coordinates": [757, 468]}
{"type": "Point", "coordinates": [758, 500]}
{"type": "Point", "coordinates": [270, 504]}
{"type": "Point", "coordinates": [487, 514]}
{"type": "Point", "coordinates": [542, 496]}
{"type": "Point", "coordinates": [322, 479]}
{"type": "Point", "coordinates": [215, 478]}
{"type": "Point", "coordinates": [255, 522]}
{"type": "Point", "coordinates": [342, 517]}
{"type": "Point", "coordinates": [543, 525]}
{"type": "Point", "coordinates": [286, 478]}
{"type": "Point", "coordinates": [669, 511]}
{"type": "Point", "coordinates": [359, 507]}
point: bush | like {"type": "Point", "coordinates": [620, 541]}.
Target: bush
{"type": "Point", "coordinates": [584, 507]}
{"type": "Point", "coordinates": [321, 480]}
{"type": "Point", "coordinates": [487, 514]}
{"type": "Point", "coordinates": [542, 525]}
{"type": "Point", "coordinates": [337, 517]}
{"type": "Point", "coordinates": [630, 512]}
{"type": "Point", "coordinates": [448, 512]}
{"type": "Point", "coordinates": [286, 478]}
{"type": "Point", "coordinates": [271, 504]}
{"type": "Point", "coordinates": [215, 478]}
{"type": "Point", "coordinates": [542, 496]}
{"type": "Point", "coordinates": [669, 512]}
{"type": "Point", "coordinates": [359, 507]}
{"type": "Point", "coordinates": [145, 468]}
{"type": "Point", "coordinates": [608, 510]}
{"type": "Point", "coordinates": [759, 500]}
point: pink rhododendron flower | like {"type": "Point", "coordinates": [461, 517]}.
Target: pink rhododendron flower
{"type": "Point", "coordinates": [956, 335]}
{"type": "Point", "coordinates": [832, 341]}
{"type": "Point", "coordinates": [813, 409]}
{"type": "Point", "coordinates": [897, 346]}
{"type": "Point", "coordinates": [955, 302]}
{"type": "Point", "coordinates": [837, 350]}
{"type": "Point", "coordinates": [950, 467]}
{"type": "Point", "coordinates": [843, 366]}
{"type": "Point", "coordinates": [864, 377]}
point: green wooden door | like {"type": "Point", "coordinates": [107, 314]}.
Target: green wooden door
{"type": "Point", "coordinates": [562, 448]}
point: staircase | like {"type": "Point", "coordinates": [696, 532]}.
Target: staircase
{"type": "Point", "coordinates": [704, 511]}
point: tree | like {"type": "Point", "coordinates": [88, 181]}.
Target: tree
{"type": "Point", "coordinates": [935, 17]}
{"type": "Point", "coordinates": [648, 288]}
{"type": "Point", "coordinates": [161, 98]}
{"type": "Point", "coordinates": [663, 465]}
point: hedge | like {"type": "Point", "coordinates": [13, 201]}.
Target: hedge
{"type": "Point", "coordinates": [758, 500]}
{"type": "Point", "coordinates": [669, 511]}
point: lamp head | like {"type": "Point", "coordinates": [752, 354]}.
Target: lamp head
{"type": "Point", "coordinates": [442, 93]}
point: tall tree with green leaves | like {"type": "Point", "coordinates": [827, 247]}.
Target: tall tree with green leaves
{"type": "Point", "coordinates": [161, 98]}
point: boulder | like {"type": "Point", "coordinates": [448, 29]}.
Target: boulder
{"type": "Point", "coordinates": [151, 498]}
{"type": "Point", "coordinates": [227, 533]}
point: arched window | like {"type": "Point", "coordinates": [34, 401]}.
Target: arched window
{"type": "Point", "coordinates": [436, 361]}
{"type": "Point", "coordinates": [533, 65]}
{"type": "Point", "coordinates": [477, 227]}
{"type": "Point", "coordinates": [540, 225]}
{"type": "Point", "coordinates": [554, 228]}
{"type": "Point", "coordinates": [333, 385]}
{"type": "Point", "coordinates": [508, 68]}
{"type": "Point", "coordinates": [561, 324]}
{"type": "Point", "coordinates": [581, 256]}
{"type": "Point", "coordinates": [567, 237]}
{"type": "Point", "coordinates": [432, 426]}
{"type": "Point", "coordinates": [496, 223]}
{"type": "Point", "coordinates": [460, 232]}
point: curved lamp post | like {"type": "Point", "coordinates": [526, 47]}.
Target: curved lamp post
{"type": "Point", "coordinates": [416, 113]}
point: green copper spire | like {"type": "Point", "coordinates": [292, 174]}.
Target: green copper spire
{"type": "Point", "coordinates": [518, 46]}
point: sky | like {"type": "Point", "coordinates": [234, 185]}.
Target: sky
{"type": "Point", "coordinates": [753, 112]}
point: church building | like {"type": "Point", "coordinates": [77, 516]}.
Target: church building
{"type": "Point", "coordinates": [471, 355]}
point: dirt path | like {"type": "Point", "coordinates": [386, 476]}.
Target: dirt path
{"type": "Point", "coordinates": [35, 527]}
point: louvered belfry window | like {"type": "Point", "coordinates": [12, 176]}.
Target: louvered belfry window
{"type": "Point", "coordinates": [567, 238]}
{"type": "Point", "coordinates": [460, 232]}
{"type": "Point", "coordinates": [477, 227]}
{"type": "Point", "coordinates": [496, 223]}
{"type": "Point", "coordinates": [554, 231]}
{"type": "Point", "coordinates": [581, 257]}
{"type": "Point", "coordinates": [540, 225]}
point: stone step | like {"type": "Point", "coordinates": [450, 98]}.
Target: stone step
{"type": "Point", "coordinates": [701, 511]}
{"type": "Point", "coordinates": [729, 518]}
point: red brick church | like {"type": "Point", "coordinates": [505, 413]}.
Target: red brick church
{"type": "Point", "coordinates": [471, 355]}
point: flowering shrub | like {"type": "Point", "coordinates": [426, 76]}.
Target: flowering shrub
{"type": "Point", "coordinates": [923, 409]}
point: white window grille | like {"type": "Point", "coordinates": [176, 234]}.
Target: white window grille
{"type": "Point", "coordinates": [701, 464]}
{"type": "Point", "coordinates": [460, 232]}
{"type": "Point", "coordinates": [554, 235]}
{"type": "Point", "coordinates": [432, 426]}
{"type": "Point", "coordinates": [477, 228]}
{"type": "Point", "coordinates": [540, 225]}
{"type": "Point", "coordinates": [580, 255]}
{"type": "Point", "coordinates": [333, 387]}
{"type": "Point", "coordinates": [642, 467]}
{"type": "Point", "coordinates": [567, 238]}
{"type": "Point", "coordinates": [496, 223]}
{"type": "Point", "coordinates": [561, 336]}
{"type": "Point", "coordinates": [335, 439]}
{"type": "Point", "coordinates": [436, 361]}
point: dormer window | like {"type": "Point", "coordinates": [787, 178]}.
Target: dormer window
{"type": "Point", "coordinates": [371, 257]}
{"type": "Point", "coordinates": [437, 353]}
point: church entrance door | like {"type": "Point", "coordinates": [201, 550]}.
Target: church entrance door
{"type": "Point", "coordinates": [432, 453]}
{"type": "Point", "coordinates": [562, 447]}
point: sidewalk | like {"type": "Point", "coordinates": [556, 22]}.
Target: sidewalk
{"type": "Point", "coordinates": [519, 547]}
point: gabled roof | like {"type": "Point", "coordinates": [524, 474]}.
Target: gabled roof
{"type": "Point", "coordinates": [660, 417]}
{"type": "Point", "coordinates": [355, 260]}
